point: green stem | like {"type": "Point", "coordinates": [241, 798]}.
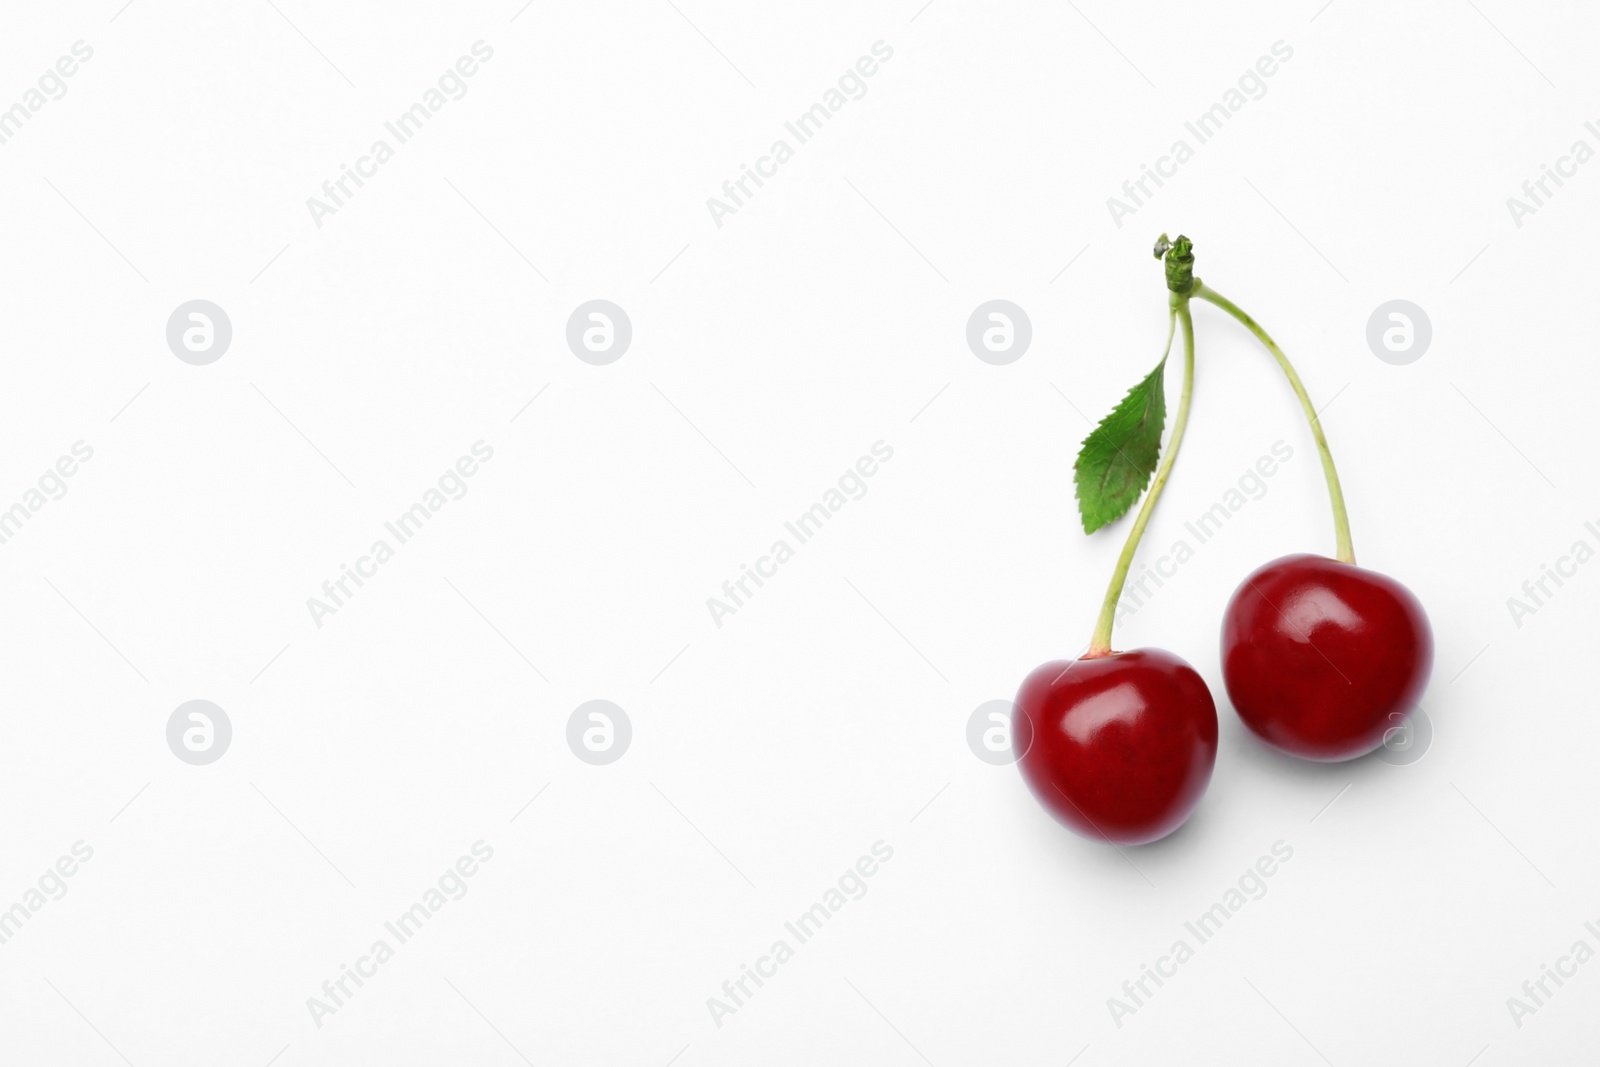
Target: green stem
{"type": "Point", "coordinates": [1341, 519]}
{"type": "Point", "coordinates": [1100, 643]}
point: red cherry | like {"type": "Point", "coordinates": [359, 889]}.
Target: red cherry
{"type": "Point", "coordinates": [1118, 747]}
{"type": "Point", "coordinates": [1323, 658]}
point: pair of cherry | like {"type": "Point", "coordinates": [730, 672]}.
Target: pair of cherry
{"type": "Point", "coordinates": [1321, 659]}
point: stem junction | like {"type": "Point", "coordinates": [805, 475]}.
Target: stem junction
{"type": "Point", "coordinates": [1182, 286]}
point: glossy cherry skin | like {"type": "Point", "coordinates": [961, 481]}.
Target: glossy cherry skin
{"type": "Point", "coordinates": [1118, 747]}
{"type": "Point", "coordinates": [1322, 658]}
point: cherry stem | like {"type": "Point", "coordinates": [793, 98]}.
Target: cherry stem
{"type": "Point", "coordinates": [1100, 643]}
{"type": "Point", "coordinates": [1341, 519]}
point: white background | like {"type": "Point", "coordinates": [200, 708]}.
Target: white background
{"type": "Point", "coordinates": [768, 354]}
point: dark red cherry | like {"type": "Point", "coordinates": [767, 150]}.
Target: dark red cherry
{"type": "Point", "coordinates": [1323, 658]}
{"type": "Point", "coordinates": [1119, 747]}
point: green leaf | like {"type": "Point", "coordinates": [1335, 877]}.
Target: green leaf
{"type": "Point", "coordinates": [1119, 455]}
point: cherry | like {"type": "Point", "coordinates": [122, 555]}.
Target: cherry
{"type": "Point", "coordinates": [1119, 747]}
{"type": "Point", "coordinates": [1321, 658]}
